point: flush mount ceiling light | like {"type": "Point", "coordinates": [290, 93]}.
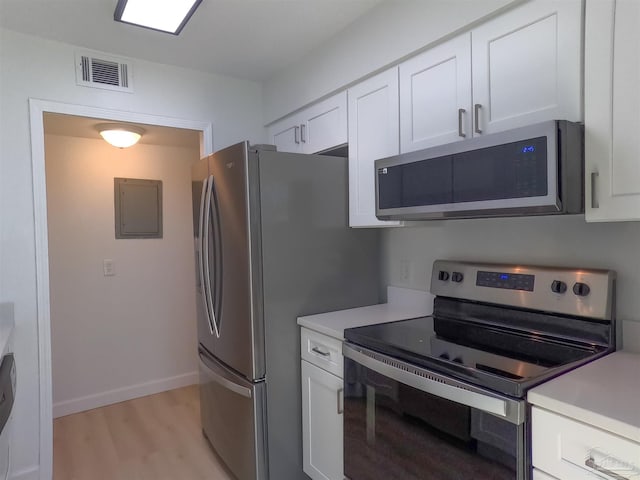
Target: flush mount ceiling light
{"type": "Point", "coordinates": [120, 135]}
{"type": "Point", "coordinates": [164, 15]}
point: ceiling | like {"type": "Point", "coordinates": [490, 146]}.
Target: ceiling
{"type": "Point", "coordinates": [250, 39]}
{"type": "Point", "coordinates": [84, 127]}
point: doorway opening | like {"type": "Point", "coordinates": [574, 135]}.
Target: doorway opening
{"type": "Point", "coordinates": [43, 113]}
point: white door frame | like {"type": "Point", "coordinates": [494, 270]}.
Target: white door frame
{"type": "Point", "coordinates": [37, 108]}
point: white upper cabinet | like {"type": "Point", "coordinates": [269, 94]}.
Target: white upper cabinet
{"type": "Point", "coordinates": [612, 110]}
{"type": "Point", "coordinates": [317, 128]}
{"type": "Point", "coordinates": [285, 135]}
{"type": "Point", "coordinates": [520, 68]}
{"type": "Point", "coordinates": [527, 66]}
{"type": "Point", "coordinates": [435, 95]}
{"type": "Point", "coordinates": [373, 134]}
{"type": "Point", "coordinates": [324, 124]}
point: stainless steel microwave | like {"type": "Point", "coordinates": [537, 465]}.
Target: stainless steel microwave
{"type": "Point", "coordinates": [532, 170]}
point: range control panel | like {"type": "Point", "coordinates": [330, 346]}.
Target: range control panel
{"type": "Point", "coordinates": [581, 292]}
{"type": "Point", "coordinates": [511, 281]}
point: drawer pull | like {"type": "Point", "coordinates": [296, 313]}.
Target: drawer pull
{"type": "Point", "coordinates": [320, 352]}
{"type": "Point", "coordinates": [591, 463]}
{"type": "Point", "coordinates": [340, 401]}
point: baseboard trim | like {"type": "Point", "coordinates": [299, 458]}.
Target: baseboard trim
{"type": "Point", "coordinates": [109, 397]}
{"type": "Point", "coordinates": [30, 473]}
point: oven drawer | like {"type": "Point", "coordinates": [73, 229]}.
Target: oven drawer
{"type": "Point", "coordinates": [322, 351]}
{"type": "Point", "coordinates": [571, 450]}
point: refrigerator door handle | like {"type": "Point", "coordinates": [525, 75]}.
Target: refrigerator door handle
{"type": "Point", "coordinates": [205, 247]}
{"type": "Point", "coordinates": [201, 246]}
{"type": "Point", "coordinates": [216, 304]}
{"type": "Point", "coordinates": [213, 372]}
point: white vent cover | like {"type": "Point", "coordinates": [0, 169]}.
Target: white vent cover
{"type": "Point", "coordinates": [101, 71]}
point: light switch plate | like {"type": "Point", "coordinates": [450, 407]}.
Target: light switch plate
{"type": "Point", "coordinates": [108, 267]}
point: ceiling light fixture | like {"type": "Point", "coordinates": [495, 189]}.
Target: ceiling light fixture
{"type": "Point", "coordinates": [120, 135]}
{"type": "Point", "coordinates": [168, 16]}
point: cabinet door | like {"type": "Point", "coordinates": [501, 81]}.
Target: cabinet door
{"type": "Point", "coordinates": [527, 66]}
{"type": "Point", "coordinates": [324, 125]}
{"type": "Point", "coordinates": [612, 111]}
{"type": "Point", "coordinates": [435, 96]}
{"type": "Point", "coordinates": [373, 133]}
{"type": "Point", "coordinates": [322, 405]}
{"type": "Point", "coordinates": [285, 135]}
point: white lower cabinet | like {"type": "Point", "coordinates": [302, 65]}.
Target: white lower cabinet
{"type": "Point", "coordinates": [322, 406]}
{"type": "Point", "coordinates": [539, 475]}
{"type": "Point", "coordinates": [571, 450]}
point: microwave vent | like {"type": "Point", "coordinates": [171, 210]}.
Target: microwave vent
{"type": "Point", "coordinates": [103, 72]}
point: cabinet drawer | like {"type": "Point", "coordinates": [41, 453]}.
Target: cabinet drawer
{"type": "Point", "coordinates": [569, 450]}
{"type": "Point", "coordinates": [322, 351]}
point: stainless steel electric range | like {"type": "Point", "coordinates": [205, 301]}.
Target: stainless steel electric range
{"type": "Point", "coordinates": [444, 397]}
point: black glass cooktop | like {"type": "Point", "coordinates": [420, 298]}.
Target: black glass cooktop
{"type": "Point", "coordinates": [508, 356]}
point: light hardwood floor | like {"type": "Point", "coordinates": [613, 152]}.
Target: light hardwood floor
{"type": "Point", "coordinates": [156, 437]}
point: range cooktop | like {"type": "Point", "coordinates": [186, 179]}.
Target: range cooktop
{"type": "Point", "coordinates": [507, 328]}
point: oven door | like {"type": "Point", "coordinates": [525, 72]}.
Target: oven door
{"type": "Point", "coordinates": [403, 422]}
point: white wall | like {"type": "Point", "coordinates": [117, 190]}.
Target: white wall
{"type": "Point", "coordinates": [32, 67]}
{"type": "Point", "coordinates": [391, 31]}
{"type": "Point", "coordinates": [559, 240]}
{"type": "Point", "coordinates": [117, 337]}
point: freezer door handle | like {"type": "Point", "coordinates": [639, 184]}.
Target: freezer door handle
{"type": "Point", "coordinates": [213, 372]}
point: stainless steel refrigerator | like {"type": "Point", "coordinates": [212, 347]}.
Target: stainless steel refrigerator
{"type": "Point", "coordinates": [272, 243]}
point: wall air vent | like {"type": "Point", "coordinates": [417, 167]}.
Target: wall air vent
{"type": "Point", "coordinates": [101, 71]}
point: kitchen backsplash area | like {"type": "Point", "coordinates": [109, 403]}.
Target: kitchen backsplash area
{"type": "Point", "coordinates": [408, 252]}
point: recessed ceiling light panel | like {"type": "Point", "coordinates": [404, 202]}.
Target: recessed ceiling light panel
{"type": "Point", "coordinates": [165, 15]}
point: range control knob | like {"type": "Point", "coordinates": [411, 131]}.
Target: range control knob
{"type": "Point", "coordinates": [581, 289]}
{"type": "Point", "coordinates": [558, 286]}
{"type": "Point", "coordinates": [442, 275]}
{"type": "Point", "coordinates": [456, 277]}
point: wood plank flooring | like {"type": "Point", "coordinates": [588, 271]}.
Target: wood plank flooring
{"type": "Point", "coordinates": [156, 437]}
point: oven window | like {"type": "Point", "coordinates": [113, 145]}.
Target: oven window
{"type": "Point", "coordinates": [394, 431]}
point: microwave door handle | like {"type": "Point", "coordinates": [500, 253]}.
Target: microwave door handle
{"type": "Point", "coordinates": [205, 248]}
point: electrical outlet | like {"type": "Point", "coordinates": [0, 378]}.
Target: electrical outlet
{"type": "Point", "coordinates": [405, 270]}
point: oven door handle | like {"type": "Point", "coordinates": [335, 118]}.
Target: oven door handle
{"type": "Point", "coordinates": [439, 385]}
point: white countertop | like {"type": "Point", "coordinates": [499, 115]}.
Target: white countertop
{"type": "Point", "coordinates": [604, 393]}
{"type": "Point", "coordinates": [403, 303]}
{"type": "Point", "coordinates": [6, 327]}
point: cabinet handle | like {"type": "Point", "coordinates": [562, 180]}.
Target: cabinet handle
{"type": "Point", "coordinates": [296, 134]}
{"type": "Point", "coordinates": [476, 117]}
{"type": "Point", "coordinates": [591, 463]}
{"type": "Point", "coordinates": [303, 133]}
{"type": "Point", "coordinates": [594, 184]}
{"type": "Point", "coordinates": [320, 352]}
{"type": "Point", "coordinates": [461, 112]}
{"type": "Point", "coordinates": [340, 401]}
